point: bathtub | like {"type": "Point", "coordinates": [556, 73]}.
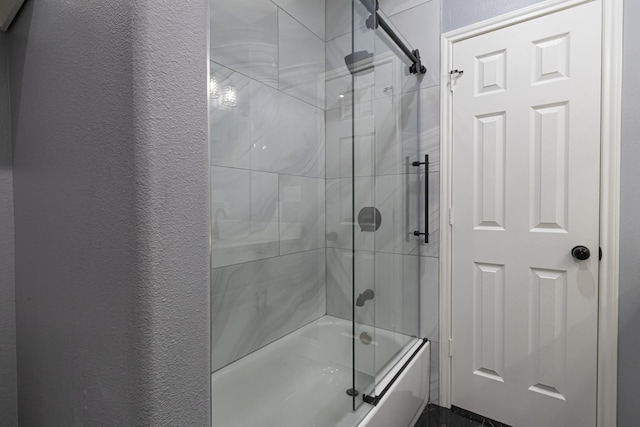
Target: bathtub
{"type": "Point", "coordinates": [301, 380]}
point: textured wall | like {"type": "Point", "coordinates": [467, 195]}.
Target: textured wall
{"type": "Point", "coordinates": [629, 320]}
{"type": "Point", "coordinates": [458, 13]}
{"type": "Point", "coordinates": [172, 205]}
{"type": "Point", "coordinates": [8, 397]}
{"type": "Point", "coordinates": [110, 178]}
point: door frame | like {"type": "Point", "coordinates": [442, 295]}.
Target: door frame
{"type": "Point", "coordinates": [611, 114]}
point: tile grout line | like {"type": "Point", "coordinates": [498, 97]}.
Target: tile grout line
{"type": "Point", "coordinates": [373, 252]}
{"type": "Point", "coordinates": [266, 258]}
{"type": "Point", "coordinates": [299, 22]}
{"type": "Point", "coordinates": [277, 89]}
{"type": "Point", "coordinates": [264, 171]}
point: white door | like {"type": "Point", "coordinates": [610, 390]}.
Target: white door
{"type": "Point", "coordinates": [526, 160]}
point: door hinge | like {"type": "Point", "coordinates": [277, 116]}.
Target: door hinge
{"type": "Point", "coordinates": [450, 347]}
{"type": "Point", "coordinates": [450, 216]}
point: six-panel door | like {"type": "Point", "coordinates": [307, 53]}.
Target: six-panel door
{"type": "Point", "coordinates": [526, 158]}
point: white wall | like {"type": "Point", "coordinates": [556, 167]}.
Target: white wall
{"type": "Point", "coordinates": [8, 373]}
{"type": "Point", "coordinates": [109, 124]}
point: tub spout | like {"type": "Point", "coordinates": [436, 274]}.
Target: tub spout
{"type": "Point", "coordinates": [363, 297]}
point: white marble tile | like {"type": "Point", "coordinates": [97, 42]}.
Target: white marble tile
{"type": "Point", "coordinates": [391, 7]}
{"type": "Point", "coordinates": [397, 288]}
{"type": "Point", "coordinates": [405, 287]}
{"type": "Point", "coordinates": [340, 267]}
{"type": "Point", "coordinates": [255, 303]}
{"type": "Point", "coordinates": [338, 18]}
{"type": "Point", "coordinates": [398, 199]}
{"type": "Point", "coordinates": [302, 213]}
{"type": "Point", "coordinates": [376, 126]}
{"type": "Point", "coordinates": [340, 145]}
{"type": "Point", "coordinates": [339, 283]}
{"type": "Point", "coordinates": [301, 61]}
{"type": "Point", "coordinates": [431, 249]}
{"type": "Point", "coordinates": [264, 205]}
{"type": "Point", "coordinates": [392, 67]}
{"type": "Point", "coordinates": [364, 279]}
{"type": "Point", "coordinates": [384, 80]}
{"type": "Point", "coordinates": [244, 216]}
{"type": "Point", "coordinates": [230, 139]}
{"type": "Point", "coordinates": [230, 205]}
{"type": "Point", "coordinates": [244, 37]}
{"type": "Point", "coordinates": [420, 26]}
{"type": "Point", "coordinates": [406, 128]}
{"type": "Point", "coordinates": [339, 212]}
{"type": "Point", "coordinates": [390, 156]}
{"type": "Point", "coordinates": [393, 132]}
{"type": "Point", "coordinates": [310, 13]}
{"type": "Point", "coordinates": [429, 297]}
{"type": "Point", "coordinates": [420, 118]}
{"type": "Point", "coordinates": [338, 79]}
{"type": "Point", "coordinates": [287, 135]}
{"type": "Point", "coordinates": [364, 138]}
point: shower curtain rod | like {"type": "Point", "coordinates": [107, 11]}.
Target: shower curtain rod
{"type": "Point", "coordinates": [372, 23]}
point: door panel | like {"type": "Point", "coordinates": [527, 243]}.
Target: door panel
{"type": "Point", "coordinates": [526, 158]}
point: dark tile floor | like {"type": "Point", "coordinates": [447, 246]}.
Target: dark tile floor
{"type": "Point", "coordinates": [435, 416]}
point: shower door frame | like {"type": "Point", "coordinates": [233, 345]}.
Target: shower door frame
{"type": "Point", "coordinates": [611, 117]}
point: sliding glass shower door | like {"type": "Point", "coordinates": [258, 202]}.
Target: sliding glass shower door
{"type": "Point", "coordinates": [387, 200]}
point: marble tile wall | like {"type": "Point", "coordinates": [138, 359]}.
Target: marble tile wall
{"type": "Point", "coordinates": [418, 25]}
{"type": "Point", "coordinates": [302, 214]}
{"type": "Point", "coordinates": [396, 119]}
{"type": "Point", "coordinates": [282, 170]}
{"type": "Point", "coordinates": [400, 282]}
{"type": "Point", "coordinates": [301, 61]}
{"type": "Point", "coordinates": [255, 303]}
{"type": "Point", "coordinates": [267, 136]}
{"type": "Point", "coordinates": [244, 37]}
{"type": "Point", "coordinates": [244, 208]}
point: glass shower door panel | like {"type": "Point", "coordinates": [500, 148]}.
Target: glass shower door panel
{"type": "Point", "coordinates": [387, 191]}
{"type": "Point", "coordinates": [398, 193]}
{"type": "Point", "coordinates": [361, 66]}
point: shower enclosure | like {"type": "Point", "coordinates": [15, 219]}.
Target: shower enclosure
{"type": "Point", "coordinates": [319, 210]}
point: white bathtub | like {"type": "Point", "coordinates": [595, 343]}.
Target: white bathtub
{"type": "Point", "coordinates": [301, 380]}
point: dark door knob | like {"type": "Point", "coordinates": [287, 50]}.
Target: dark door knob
{"type": "Point", "coordinates": [581, 253]}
